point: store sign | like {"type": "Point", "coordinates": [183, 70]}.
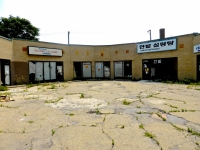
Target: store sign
{"type": "Point", "coordinates": [157, 46]}
{"type": "Point", "coordinates": [197, 48]}
{"type": "Point", "coordinates": [44, 51]}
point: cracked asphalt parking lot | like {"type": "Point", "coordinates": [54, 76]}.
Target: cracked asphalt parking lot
{"type": "Point", "coordinates": [104, 115]}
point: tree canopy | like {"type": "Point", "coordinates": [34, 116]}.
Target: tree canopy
{"type": "Point", "coordinates": [16, 27]}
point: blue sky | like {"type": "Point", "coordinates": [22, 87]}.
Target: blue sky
{"type": "Point", "coordinates": [99, 22]}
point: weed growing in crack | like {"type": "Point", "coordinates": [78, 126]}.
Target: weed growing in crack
{"type": "Point", "coordinates": [141, 101]}
{"type": "Point", "coordinates": [104, 119]}
{"type": "Point", "coordinates": [82, 95]}
{"type": "Point", "coordinates": [173, 106]}
{"type": "Point", "coordinates": [53, 132]}
{"type": "Point", "coordinates": [126, 102]}
{"type": "Point", "coordinates": [137, 118]}
{"type": "Point", "coordinates": [159, 115]}
{"type": "Point", "coordinates": [71, 114]}
{"type": "Point", "coordinates": [23, 131]}
{"type": "Point", "coordinates": [151, 95]}
{"type": "Point", "coordinates": [31, 121]}
{"type": "Point", "coordinates": [54, 101]}
{"type": "Point", "coordinates": [147, 134]}
{"type": "Point", "coordinates": [97, 111]}
{"type": "Point", "coordinates": [174, 111]}
{"type": "Point", "coordinates": [193, 132]}
{"type": "Point", "coordinates": [113, 143]}
{"type": "Point", "coordinates": [25, 114]}
{"type": "Point", "coordinates": [177, 128]}
{"type": "Point", "coordinates": [140, 112]}
{"type": "Point", "coordinates": [141, 126]}
{"type": "Point", "coordinates": [94, 125]}
{"type": "Point", "coordinates": [138, 106]}
{"type": "Point", "coordinates": [123, 126]}
{"type": "Point", "coordinates": [1, 105]}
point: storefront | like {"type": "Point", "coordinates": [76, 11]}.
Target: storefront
{"type": "Point", "coordinates": [82, 70]}
{"type": "Point", "coordinates": [123, 69]}
{"type": "Point", "coordinates": [102, 70]}
{"type": "Point", "coordinates": [158, 68]}
{"type": "Point", "coordinates": [45, 71]}
{"type": "Point", "coordinates": [161, 68]}
{"type": "Point", "coordinates": [42, 71]}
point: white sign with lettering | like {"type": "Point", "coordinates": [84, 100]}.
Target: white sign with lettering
{"type": "Point", "coordinates": [44, 51]}
{"type": "Point", "coordinates": [157, 46]}
{"type": "Point", "coordinates": [197, 48]}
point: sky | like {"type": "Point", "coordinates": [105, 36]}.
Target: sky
{"type": "Point", "coordinates": [105, 22]}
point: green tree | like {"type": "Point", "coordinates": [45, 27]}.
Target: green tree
{"type": "Point", "coordinates": [16, 27]}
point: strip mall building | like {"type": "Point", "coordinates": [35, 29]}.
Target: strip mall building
{"type": "Point", "coordinates": [165, 58]}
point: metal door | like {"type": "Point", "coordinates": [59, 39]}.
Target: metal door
{"type": "Point", "coordinates": [31, 67]}
{"type": "Point", "coordinates": [39, 71]}
{"type": "Point", "coordinates": [87, 70]}
{"type": "Point", "coordinates": [99, 69]}
{"type": "Point", "coordinates": [46, 71]}
{"type": "Point", "coordinates": [7, 74]}
{"type": "Point", "coordinates": [106, 71]}
{"type": "Point", "coordinates": [119, 69]}
{"type": "Point", "coordinates": [53, 70]}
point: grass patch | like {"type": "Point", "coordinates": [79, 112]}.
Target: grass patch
{"type": "Point", "coordinates": [52, 86]}
{"type": "Point", "coordinates": [71, 114]}
{"type": "Point", "coordinates": [126, 102]}
{"type": "Point", "coordinates": [3, 88]}
{"type": "Point", "coordinates": [30, 85]}
{"type": "Point", "coordinates": [5, 93]}
{"type": "Point", "coordinates": [25, 114]}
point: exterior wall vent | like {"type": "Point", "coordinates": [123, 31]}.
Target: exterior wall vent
{"type": "Point", "coordinates": [162, 33]}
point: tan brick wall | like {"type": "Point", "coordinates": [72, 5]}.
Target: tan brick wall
{"type": "Point", "coordinates": [111, 53]}
{"type": "Point", "coordinates": [5, 48]}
